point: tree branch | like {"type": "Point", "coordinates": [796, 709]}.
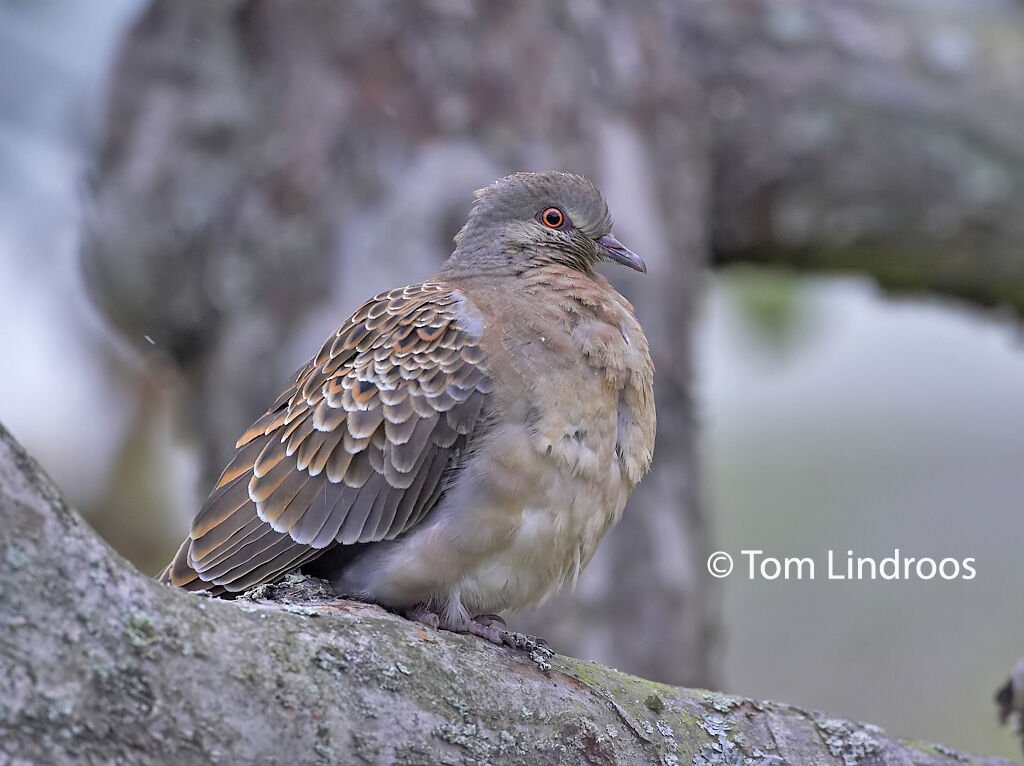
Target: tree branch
{"type": "Point", "coordinates": [101, 665]}
{"type": "Point", "coordinates": [875, 137]}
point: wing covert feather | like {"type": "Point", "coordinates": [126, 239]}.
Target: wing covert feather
{"type": "Point", "coordinates": [356, 450]}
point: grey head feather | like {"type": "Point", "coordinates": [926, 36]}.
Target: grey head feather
{"type": "Point", "coordinates": [504, 233]}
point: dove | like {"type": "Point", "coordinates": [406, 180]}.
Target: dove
{"type": "Point", "coordinates": [458, 447]}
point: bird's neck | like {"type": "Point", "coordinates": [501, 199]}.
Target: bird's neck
{"type": "Point", "coordinates": [476, 259]}
{"type": "Point", "coordinates": [466, 264]}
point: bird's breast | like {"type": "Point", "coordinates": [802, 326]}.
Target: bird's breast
{"type": "Point", "coordinates": [577, 372]}
{"type": "Point", "coordinates": [546, 513]}
{"type": "Point", "coordinates": [572, 431]}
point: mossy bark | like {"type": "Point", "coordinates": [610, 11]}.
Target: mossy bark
{"type": "Point", "coordinates": [101, 665]}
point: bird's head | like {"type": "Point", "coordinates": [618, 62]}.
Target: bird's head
{"type": "Point", "coordinates": [527, 220]}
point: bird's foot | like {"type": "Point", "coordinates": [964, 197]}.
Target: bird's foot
{"type": "Point", "coordinates": [524, 642]}
{"type": "Point", "coordinates": [537, 648]}
{"type": "Point", "coordinates": [422, 614]}
{"type": "Point", "coordinates": [483, 626]}
{"type": "Point", "coordinates": [490, 619]}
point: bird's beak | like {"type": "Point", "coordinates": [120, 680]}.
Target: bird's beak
{"type": "Point", "coordinates": [616, 251]}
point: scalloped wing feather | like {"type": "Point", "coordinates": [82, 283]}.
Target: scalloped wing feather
{"type": "Point", "coordinates": [356, 450]}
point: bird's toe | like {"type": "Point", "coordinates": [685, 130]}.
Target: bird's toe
{"type": "Point", "coordinates": [490, 619]}
{"type": "Point", "coordinates": [424, 615]}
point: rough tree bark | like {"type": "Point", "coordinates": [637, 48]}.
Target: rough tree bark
{"type": "Point", "coordinates": [99, 665]}
{"type": "Point", "coordinates": [263, 159]}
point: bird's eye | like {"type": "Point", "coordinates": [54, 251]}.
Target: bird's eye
{"type": "Point", "coordinates": [553, 218]}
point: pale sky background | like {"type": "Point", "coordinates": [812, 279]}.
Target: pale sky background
{"type": "Point", "coordinates": [858, 421]}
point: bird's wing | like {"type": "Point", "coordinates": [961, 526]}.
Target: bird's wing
{"type": "Point", "coordinates": [355, 451]}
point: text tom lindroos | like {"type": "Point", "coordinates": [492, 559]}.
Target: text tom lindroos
{"type": "Point", "coordinates": [848, 566]}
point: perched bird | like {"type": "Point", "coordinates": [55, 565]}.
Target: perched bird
{"type": "Point", "coordinates": [458, 447]}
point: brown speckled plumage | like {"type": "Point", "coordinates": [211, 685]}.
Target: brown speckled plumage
{"type": "Point", "coordinates": [458, 446]}
{"type": "Point", "coordinates": [354, 451]}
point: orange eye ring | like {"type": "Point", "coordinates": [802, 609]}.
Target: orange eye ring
{"type": "Point", "coordinates": [552, 217]}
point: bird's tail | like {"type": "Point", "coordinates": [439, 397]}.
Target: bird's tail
{"type": "Point", "coordinates": [181, 574]}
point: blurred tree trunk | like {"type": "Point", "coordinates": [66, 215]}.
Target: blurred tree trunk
{"type": "Point", "coordinates": [267, 164]}
{"type": "Point", "coordinates": [101, 666]}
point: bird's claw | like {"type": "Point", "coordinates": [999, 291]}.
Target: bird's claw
{"type": "Point", "coordinates": [483, 626]}
{"type": "Point", "coordinates": [490, 619]}
{"type": "Point", "coordinates": [423, 615]}
{"type": "Point", "coordinates": [526, 643]}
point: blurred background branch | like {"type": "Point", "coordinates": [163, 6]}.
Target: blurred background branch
{"type": "Point", "coordinates": [881, 138]}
